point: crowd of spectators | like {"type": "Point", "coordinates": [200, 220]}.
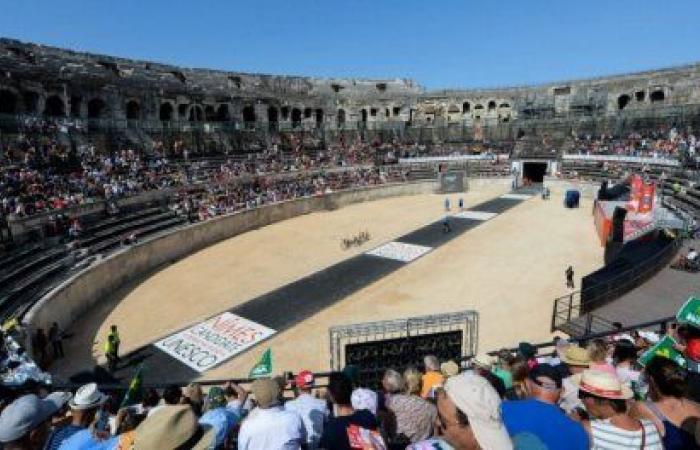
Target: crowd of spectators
{"type": "Point", "coordinates": [662, 143]}
{"type": "Point", "coordinates": [602, 396]}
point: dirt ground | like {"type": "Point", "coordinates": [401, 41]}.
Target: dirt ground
{"type": "Point", "coordinates": [509, 269]}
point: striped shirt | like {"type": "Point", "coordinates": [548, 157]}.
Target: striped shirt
{"type": "Point", "coordinates": [607, 436]}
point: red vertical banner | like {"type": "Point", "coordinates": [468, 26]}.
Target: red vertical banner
{"type": "Point", "coordinates": [636, 185]}
{"type": "Point", "coordinates": [646, 203]}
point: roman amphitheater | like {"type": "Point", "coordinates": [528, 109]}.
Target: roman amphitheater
{"type": "Point", "coordinates": [313, 213]}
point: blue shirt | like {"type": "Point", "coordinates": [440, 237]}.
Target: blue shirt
{"type": "Point", "coordinates": [526, 419]}
{"type": "Point", "coordinates": [59, 435]}
{"type": "Point", "coordinates": [222, 420]}
{"type": "Point", "coordinates": [84, 440]}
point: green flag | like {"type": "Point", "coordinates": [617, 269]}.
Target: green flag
{"type": "Point", "coordinates": [690, 312]}
{"type": "Point", "coordinates": [666, 347]}
{"type": "Point", "coordinates": [135, 392]}
{"type": "Point", "coordinates": [264, 367]}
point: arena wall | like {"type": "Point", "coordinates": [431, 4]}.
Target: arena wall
{"type": "Point", "coordinates": [559, 187]}
{"type": "Point", "coordinates": [84, 290]}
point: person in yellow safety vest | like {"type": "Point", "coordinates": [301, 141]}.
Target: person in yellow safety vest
{"type": "Point", "coordinates": [112, 348]}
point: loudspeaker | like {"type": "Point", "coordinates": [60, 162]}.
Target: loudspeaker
{"type": "Point", "coordinates": [618, 224]}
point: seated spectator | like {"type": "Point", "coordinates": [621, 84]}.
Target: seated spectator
{"type": "Point", "coordinates": [270, 425]}
{"type": "Point", "coordinates": [410, 417]}
{"type": "Point", "coordinates": [574, 361]}
{"type": "Point", "coordinates": [313, 411]}
{"type": "Point", "coordinates": [413, 379]}
{"type": "Point", "coordinates": [219, 417]}
{"type": "Point", "coordinates": [432, 378]}
{"type": "Point", "coordinates": [348, 425]}
{"type": "Point", "coordinates": [605, 399]}
{"type": "Point", "coordinates": [173, 427]}
{"type": "Point", "coordinates": [25, 423]}
{"type": "Point", "coordinates": [83, 408]}
{"type": "Point", "coordinates": [538, 418]}
{"type": "Point", "coordinates": [468, 417]}
{"type": "Point", "coordinates": [598, 354]}
{"type": "Point", "coordinates": [97, 434]}
{"type": "Point", "coordinates": [668, 408]}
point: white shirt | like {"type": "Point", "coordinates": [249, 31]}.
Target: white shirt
{"type": "Point", "coordinates": [313, 413]}
{"type": "Point", "coordinates": [692, 255]}
{"type": "Point", "coordinates": [606, 436]}
{"type": "Point", "coordinates": [271, 429]}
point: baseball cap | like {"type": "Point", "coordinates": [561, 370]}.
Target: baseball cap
{"type": "Point", "coordinates": [27, 413]}
{"type": "Point", "coordinates": [304, 379]}
{"type": "Point", "coordinates": [475, 397]}
{"type": "Point", "coordinates": [546, 376]}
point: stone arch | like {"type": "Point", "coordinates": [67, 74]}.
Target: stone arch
{"type": "Point", "coordinates": [319, 117]}
{"type": "Point", "coordinates": [272, 114]}
{"type": "Point", "coordinates": [249, 114]}
{"type": "Point", "coordinates": [285, 112]}
{"type": "Point", "coordinates": [340, 118]}
{"type": "Point", "coordinates": [55, 107]}
{"type": "Point", "coordinates": [75, 106]}
{"type": "Point", "coordinates": [133, 110]}
{"type": "Point", "coordinates": [196, 114]}
{"type": "Point", "coordinates": [657, 96]}
{"type": "Point", "coordinates": [296, 117]}
{"type": "Point", "coordinates": [8, 102]}
{"type": "Point", "coordinates": [96, 108]}
{"type": "Point", "coordinates": [307, 113]}
{"type": "Point", "coordinates": [31, 102]}
{"type": "Point", "coordinates": [479, 106]}
{"type": "Point", "coordinates": [223, 113]}
{"type": "Point", "coordinates": [492, 105]}
{"type": "Point", "coordinates": [466, 107]}
{"type": "Point", "coordinates": [166, 112]}
{"type": "Point", "coordinates": [623, 101]}
{"type": "Point", "coordinates": [363, 115]}
{"type": "Point", "coordinates": [209, 113]}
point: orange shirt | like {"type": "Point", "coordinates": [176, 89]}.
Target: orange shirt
{"type": "Point", "coordinates": [430, 380]}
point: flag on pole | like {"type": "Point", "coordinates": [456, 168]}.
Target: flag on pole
{"type": "Point", "coordinates": [264, 367]}
{"type": "Point", "coordinates": [135, 392]}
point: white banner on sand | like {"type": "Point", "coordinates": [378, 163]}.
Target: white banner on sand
{"type": "Point", "coordinates": [213, 341]}
{"type": "Point", "coordinates": [475, 215]}
{"type": "Point", "coordinates": [400, 251]}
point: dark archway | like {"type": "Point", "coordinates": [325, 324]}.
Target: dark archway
{"type": "Point", "coordinates": [75, 104]}
{"type": "Point", "coordinates": [182, 110]}
{"type": "Point", "coordinates": [249, 114]}
{"type": "Point", "coordinates": [31, 102]}
{"type": "Point", "coordinates": [54, 107]}
{"type": "Point", "coordinates": [319, 117]}
{"type": "Point", "coordinates": [363, 116]}
{"type": "Point", "coordinates": [296, 117]}
{"type": "Point", "coordinates": [341, 117]}
{"type": "Point", "coordinates": [133, 110]}
{"type": "Point", "coordinates": [209, 113]}
{"type": "Point", "coordinates": [272, 114]}
{"type": "Point", "coordinates": [8, 102]}
{"type": "Point", "coordinates": [492, 105]}
{"type": "Point", "coordinates": [96, 107]}
{"type": "Point", "coordinates": [307, 113]}
{"type": "Point", "coordinates": [623, 101]}
{"type": "Point", "coordinates": [196, 114]}
{"type": "Point", "coordinates": [223, 114]}
{"type": "Point", "coordinates": [466, 107]}
{"type": "Point", "coordinates": [657, 96]}
{"type": "Point", "coordinates": [166, 112]}
{"type": "Point", "coordinates": [285, 112]}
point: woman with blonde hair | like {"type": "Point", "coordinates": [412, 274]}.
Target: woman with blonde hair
{"type": "Point", "coordinates": [412, 378]}
{"type": "Point", "coordinates": [598, 354]}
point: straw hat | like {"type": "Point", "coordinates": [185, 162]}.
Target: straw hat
{"type": "Point", "coordinates": [449, 368]}
{"type": "Point", "coordinates": [602, 384]}
{"type": "Point", "coordinates": [172, 427]}
{"type": "Point", "coordinates": [87, 397]}
{"type": "Point", "coordinates": [576, 356]}
{"type": "Point", "coordinates": [483, 360]}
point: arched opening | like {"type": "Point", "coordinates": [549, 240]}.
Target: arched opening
{"type": "Point", "coordinates": [623, 101]}
{"type": "Point", "coordinates": [319, 117]}
{"type": "Point", "coordinates": [54, 107]}
{"type": "Point", "coordinates": [296, 117]}
{"type": "Point", "coordinates": [8, 102]}
{"type": "Point", "coordinates": [307, 113]}
{"type": "Point", "coordinates": [492, 105]}
{"type": "Point", "coordinates": [272, 115]}
{"type": "Point", "coordinates": [249, 114]}
{"type": "Point", "coordinates": [363, 115]}
{"type": "Point", "coordinates": [196, 114]}
{"type": "Point", "coordinates": [466, 107]}
{"type": "Point", "coordinates": [285, 112]}
{"type": "Point", "coordinates": [223, 114]}
{"type": "Point", "coordinates": [31, 102]}
{"type": "Point", "coordinates": [341, 117]}
{"type": "Point", "coordinates": [166, 112]}
{"type": "Point", "coordinates": [209, 113]}
{"type": "Point", "coordinates": [75, 104]}
{"type": "Point", "coordinates": [182, 110]}
{"type": "Point", "coordinates": [133, 110]}
{"type": "Point", "coordinates": [95, 108]}
{"type": "Point", "coordinates": [479, 107]}
{"type": "Point", "coordinates": [657, 96]}
{"type": "Point", "coordinates": [504, 105]}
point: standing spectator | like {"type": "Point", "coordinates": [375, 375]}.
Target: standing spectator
{"type": "Point", "coordinates": [468, 417]}
{"type": "Point", "coordinates": [605, 398]}
{"type": "Point", "coordinates": [539, 418]}
{"type": "Point", "coordinates": [432, 378]}
{"type": "Point", "coordinates": [269, 426]}
{"type": "Point", "coordinates": [313, 411]}
{"type": "Point", "coordinates": [83, 408]}
{"type": "Point", "coordinates": [570, 277]}
{"type": "Point", "coordinates": [410, 417]}
{"type": "Point", "coordinates": [56, 340]}
{"type": "Point", "coordinates": [112, 348]}
{"type": "Point", "coordinates": [24, 423]}
{"type": "Point", "coordinates": [219, 417]}
{"type": "Point", "coordinates": [668, 408]}
{"type": "Point", "coordinates": [346, 423]}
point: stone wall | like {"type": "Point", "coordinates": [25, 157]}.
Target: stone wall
{"type": "Point", "coordinates": [81, 292]}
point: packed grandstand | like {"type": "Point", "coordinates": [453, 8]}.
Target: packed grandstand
{"type": "Point", "coordinates": [78, 186]}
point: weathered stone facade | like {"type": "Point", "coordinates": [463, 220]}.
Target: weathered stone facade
{"type": "Point", "coordinates": [118, 92]}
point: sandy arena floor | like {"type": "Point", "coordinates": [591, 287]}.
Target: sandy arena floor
{"type": "Point", "coordinates": [508, 269]}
